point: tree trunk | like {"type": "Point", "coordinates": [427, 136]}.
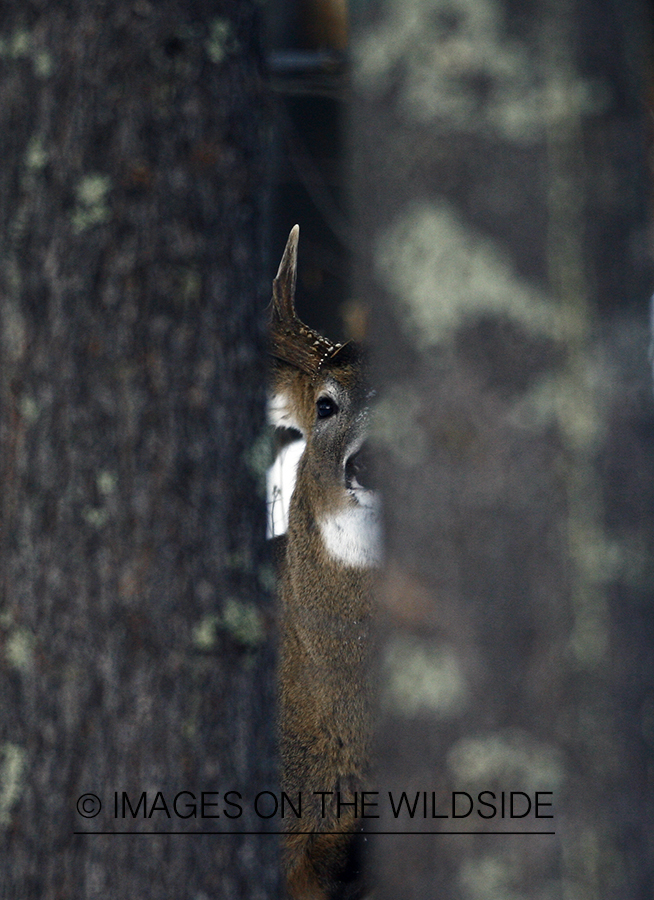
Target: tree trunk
{"type": "Point", "coordinates": [135, 622]}
{"type": "Point", "coordinates": [499, 201]}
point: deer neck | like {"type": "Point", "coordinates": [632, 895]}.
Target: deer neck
{"type": "Point", "coordinates": [334, 528]}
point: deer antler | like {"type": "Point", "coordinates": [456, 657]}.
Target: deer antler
{"type": "Point", "coordinates": [291, 341]}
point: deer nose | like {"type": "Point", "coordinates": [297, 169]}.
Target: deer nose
{"type": "Point", "coordinates": [359, 469]}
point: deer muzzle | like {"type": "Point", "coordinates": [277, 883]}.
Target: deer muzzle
{"type": "Point", "coordinates": [359, 474]}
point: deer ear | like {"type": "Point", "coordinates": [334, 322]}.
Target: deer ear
{"type": "Point", "coordinates": [281, 412]}
{"type": "Point", "coordinates": [284, 283]}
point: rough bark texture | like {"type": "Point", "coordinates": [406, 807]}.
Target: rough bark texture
{"type": "Point", "coordinates": [134, 629]}
{"type": "Point", "coordinates": [499, 199]}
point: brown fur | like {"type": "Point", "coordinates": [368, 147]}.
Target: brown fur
{"type": "Point", "coordinates": [324, 688]}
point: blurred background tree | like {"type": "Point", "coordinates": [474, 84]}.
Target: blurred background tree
{"type": "Point", "coordinates": [500, 198]}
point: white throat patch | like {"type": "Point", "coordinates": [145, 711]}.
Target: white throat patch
{"type": "Point", "coordinates": [352, 536]}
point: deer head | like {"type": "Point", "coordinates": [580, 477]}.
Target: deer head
{"type": "Point", "coordinates": [319, 388]}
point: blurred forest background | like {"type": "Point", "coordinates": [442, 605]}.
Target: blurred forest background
{"type": "Point", "coordinates": [473, 181]}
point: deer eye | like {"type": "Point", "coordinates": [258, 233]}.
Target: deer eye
{"type": "Point", "coordinates": [326, 407]}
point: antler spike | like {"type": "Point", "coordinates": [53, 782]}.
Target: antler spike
{"type": "Point", "coordinates": [291, 341]}
{"type": "Point", "coordinates": [286, 278]}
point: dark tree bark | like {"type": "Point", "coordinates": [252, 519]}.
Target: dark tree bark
{"type": "Point", "coordinates": [135, 627]}
{"type": "Point", "coordinates": [499, 195]}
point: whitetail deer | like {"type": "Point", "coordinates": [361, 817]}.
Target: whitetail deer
{"type": "Point", "coordinates": [319, 388]}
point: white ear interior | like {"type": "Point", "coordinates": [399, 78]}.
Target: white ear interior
{"type": "Point", "coordinates": [280, 484]}
{"type": "Point", "coordinates": [280, 413]}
